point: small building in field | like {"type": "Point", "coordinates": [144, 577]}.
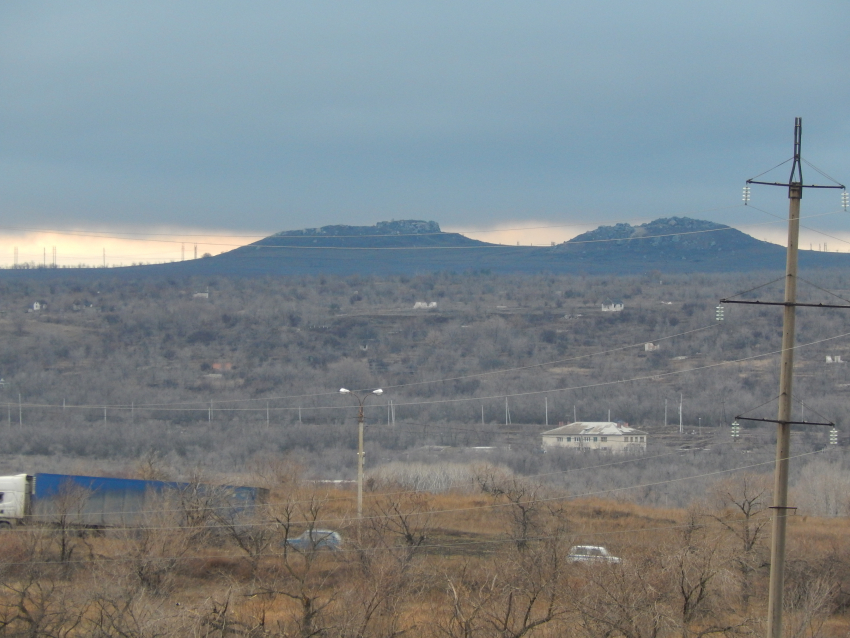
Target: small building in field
{"type": "Point", "coordinates": [617, 438]}
{"type": "Point", "coordinates": [612, 306]}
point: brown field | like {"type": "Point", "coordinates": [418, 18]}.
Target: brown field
{"type": "Point", "coordinates": [491, 563]}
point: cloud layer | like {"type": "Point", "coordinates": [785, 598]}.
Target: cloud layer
{"type": "Point", "coordinates": [270, 115]}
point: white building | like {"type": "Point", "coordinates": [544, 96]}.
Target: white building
{"type": "Point", "coordinates": [614, 306]}
{"type": "Point", "coordinates": [613, 437]}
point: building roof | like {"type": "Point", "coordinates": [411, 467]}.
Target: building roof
{"type": "Point", "coordinates": [606, 428]}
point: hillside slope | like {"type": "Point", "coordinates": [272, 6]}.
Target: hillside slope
{"type": "Point", "coordinates": [669, 245]}
{"type": "Point", "coordinates": [672, 245]}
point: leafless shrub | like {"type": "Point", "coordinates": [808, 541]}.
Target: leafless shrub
{"type": "Point", "coordinates": [807, 606]}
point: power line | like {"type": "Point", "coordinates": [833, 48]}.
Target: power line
{"type": "Point", "coordinates": [180, 237]}
{"type": "Point", "coordinates": [203, 404]}
{"type": "Point", "coordinates": [491, 506]}
{"type": "Point", "coordinates": [500, 396]}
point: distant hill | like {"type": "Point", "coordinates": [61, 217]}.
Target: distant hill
{"type": "Point", "coordinates": [669, 245]}
{"type": "Point", "coordinates": [408, 233]}
{"type": "Point", "coordinates": [676, 244]}
{"type": "Point", "coordinates": [670, 236]}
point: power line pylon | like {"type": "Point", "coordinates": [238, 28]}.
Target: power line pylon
{"type": "Point", "coordinates": [784, 421]}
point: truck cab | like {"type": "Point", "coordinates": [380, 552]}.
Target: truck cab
{"type": "Point", "coordinates": [15, 492]}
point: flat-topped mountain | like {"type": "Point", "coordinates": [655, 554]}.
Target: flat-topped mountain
{"type": "Point", "coordinates": [392, 234]}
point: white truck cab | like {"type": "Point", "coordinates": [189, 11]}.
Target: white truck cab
{"type": "Point", "coordinates": [15, 492]}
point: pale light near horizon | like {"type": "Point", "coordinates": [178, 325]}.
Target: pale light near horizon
{"type": "Point", "coordinates": [149, 246]}
{"type": "Point", "coordinates": [163, 245]}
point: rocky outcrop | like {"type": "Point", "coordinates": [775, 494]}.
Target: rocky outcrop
{"type": "Point", "coordinates": [394, 227]}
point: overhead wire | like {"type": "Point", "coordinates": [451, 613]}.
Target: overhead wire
{"type": "Point", "coordinates": [648, 377]}
{"type": "Point", "coordinates": [117, 234]}
{"type": "Point", "coordinates": [223, 490]}
{"type": "Point", "coordinates": [203, 405]}
{"type": "Point", "coordinates": [814, 230]}
{"type": "Point", "coordinates": [318, 521]}
{"type": "Point", "coordinates": [122, 235]}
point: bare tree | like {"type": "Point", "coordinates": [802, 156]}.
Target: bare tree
{"type": "Point", "coordinates": [68, 506]}
{"type": "Point", "coordinates": [696, 563]}
{"type": "Point", "coordinates": [742, 503]}
{"type": "Point", "coordinates": [302, 572]}
{"type": "Point", "coordinates": [807, 606]}
{"type": "Point", "coordinates": [36, 598]}
{"type": "Point", "coordinates": [628, 599]}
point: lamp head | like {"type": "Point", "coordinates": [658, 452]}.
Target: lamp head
{"type": "Point", "coordinates": [344, 391]}
{"type": "Point", "coordinates": [378, 391]}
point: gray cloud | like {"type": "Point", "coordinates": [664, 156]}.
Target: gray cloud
{"type": "Point", "coordinates": [282, 115]}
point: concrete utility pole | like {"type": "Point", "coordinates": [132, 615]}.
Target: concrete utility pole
{"type": "Point", "coordinates": [786, 377]}
{"type": "Point", "coordinates": [786, 380]}
{"type": "Point", "coordinates": [681, 427]}
{"type": "Point", "coordinates": [360, 421]}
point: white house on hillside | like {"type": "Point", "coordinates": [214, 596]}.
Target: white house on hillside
{"type": "Point", "coordinates": [613, 306]}
{"type": "Point", "coordinates": [597, 435]}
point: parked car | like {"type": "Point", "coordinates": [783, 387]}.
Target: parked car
{"type": "Point", "coordinates": [316, 539]}
{"type": "Point", "coordinates": [591, 554]}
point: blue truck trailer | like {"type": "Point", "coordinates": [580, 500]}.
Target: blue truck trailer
{"type": "Point", "coordinates": [97, 501]}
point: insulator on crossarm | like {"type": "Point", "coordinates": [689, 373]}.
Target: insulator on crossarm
{"type": "Point", "coordinates": [845, 200]}
{"type": "Point", "coordinates": [746, 195]}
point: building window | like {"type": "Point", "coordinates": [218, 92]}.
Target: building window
{"type": "Point", "coordinates": [594, 439]}
{"type": "Point", "coordinates": [604, 439]}
{"type": "Point", "coordinates": [569, 439]}
{"type": "Point", "coordinates": [587, 438]}
{"type": "Point", "coordinates": [559, 439]}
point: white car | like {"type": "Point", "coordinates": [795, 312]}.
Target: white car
{"type": "Point", "coordinates": [314, 539]}
{"type": "Point", "coordinates": [590, 554]}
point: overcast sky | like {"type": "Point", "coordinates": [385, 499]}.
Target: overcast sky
{"type": "Point", "coordinates": [266, 116]}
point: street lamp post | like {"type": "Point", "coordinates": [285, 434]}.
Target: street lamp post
{"type": "Point", "coordinates": [360, 419]}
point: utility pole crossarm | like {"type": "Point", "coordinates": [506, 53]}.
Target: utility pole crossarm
{"type": "Point", "coordinates": [752, 181]}
{"type": "Point", "coordinates": [784, 303]}
{"type": "Point", "coordinates": [744, 418]}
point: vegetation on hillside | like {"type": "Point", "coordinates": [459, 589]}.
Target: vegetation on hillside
{"type": "Point", "coordinates": [111, 370]}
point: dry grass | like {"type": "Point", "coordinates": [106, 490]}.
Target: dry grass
{"type": "Point", "coordinates": [468, 539]}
